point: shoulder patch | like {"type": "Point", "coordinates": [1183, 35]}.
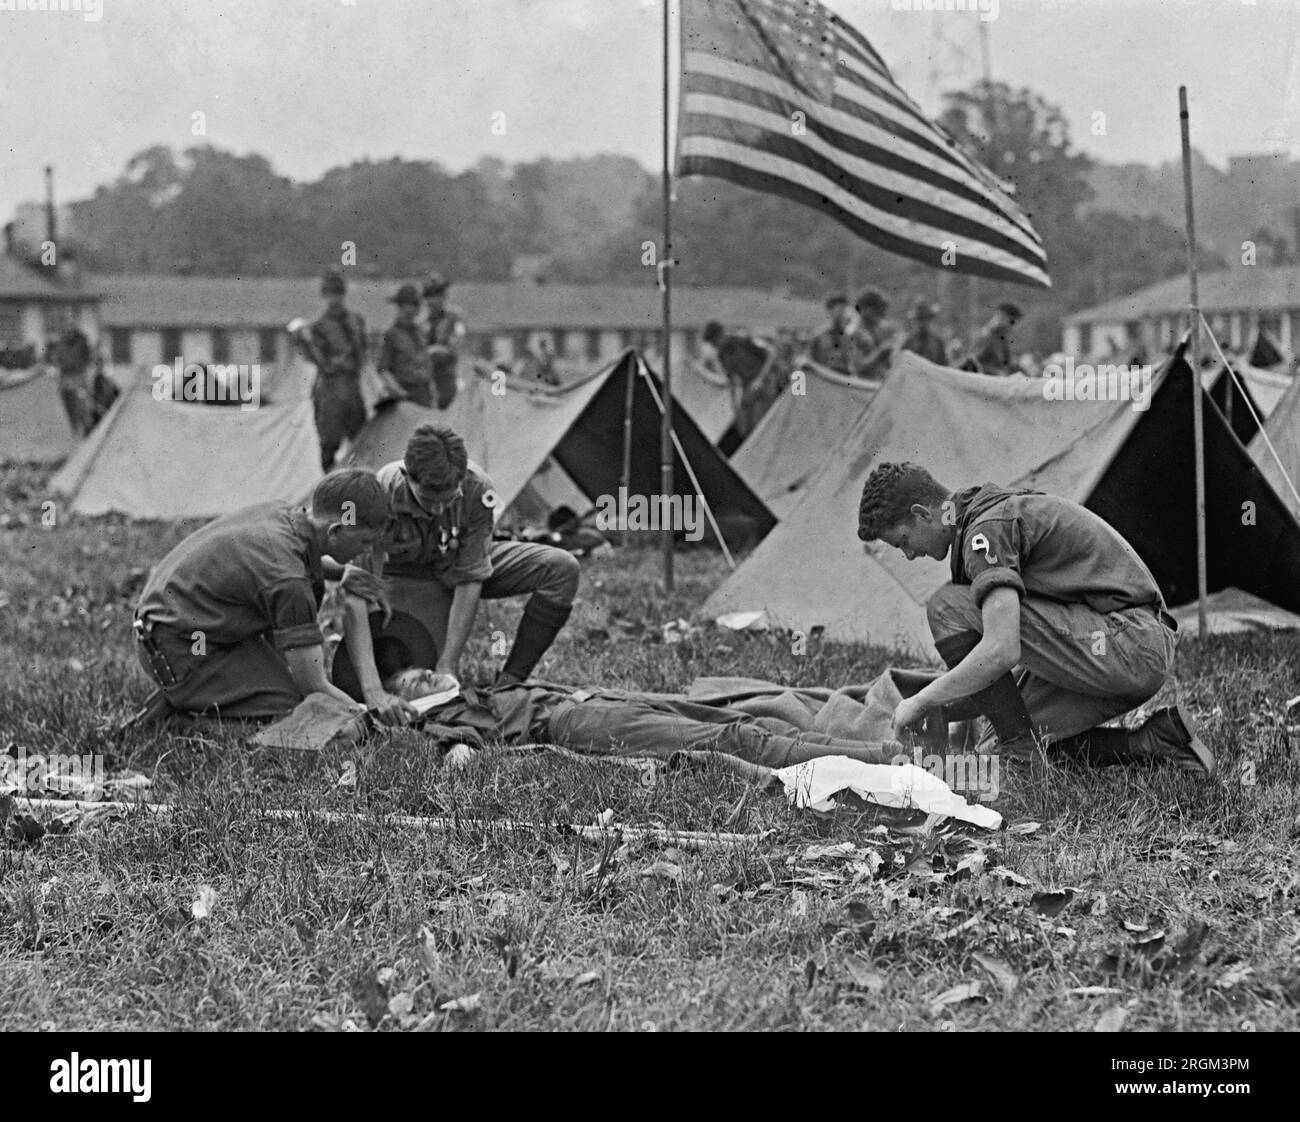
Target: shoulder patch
{"type": "Point", "coordinates": [980, 542]}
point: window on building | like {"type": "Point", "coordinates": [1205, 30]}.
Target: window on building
{"type": "Point", "coordinates": [119, 345]}
{"type": "Point", "coordinates": [171, 344]}
{"type": "Point", "coordinates": [268, 344]}
{"type": "Point", "coordinates": [11, 324]}
{"type": "Point", "coordinates": [220, 345]}
{"type": "Point", "coordinates": [1085, 339]}
{"type": "Point", "coordinates": [593, 345]}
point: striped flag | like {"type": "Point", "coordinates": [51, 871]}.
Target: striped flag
{"type": "Point", "coordinates": [783, 96]}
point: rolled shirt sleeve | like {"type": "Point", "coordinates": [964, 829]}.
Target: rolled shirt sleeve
{"type": "Point", "coordinates": [991, 557]}
{"type": "Point", "coordinates": [291, 608]}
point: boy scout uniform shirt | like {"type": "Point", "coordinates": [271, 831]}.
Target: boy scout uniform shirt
{"type": "Point", "coordinates": [453, 546]}
{"type": "Point", "coordinates": [1047, 547]}
{"type": "Point", "coordinates": [402, 354]}
{"type": "Point", "coordinates": [252, 572]}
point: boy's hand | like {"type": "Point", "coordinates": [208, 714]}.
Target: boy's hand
{"type": "Point", "coordinates": [390, 709]}
{"type": "Point", "coordinates": [911, 711]}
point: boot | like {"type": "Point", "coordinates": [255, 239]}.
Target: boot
{"type": "Point", "coordinates": [540, 624]}
{"type": "Point", "coordinates": [1000, 702]}
{"type": "Point", "coordinates": [1164, 738]}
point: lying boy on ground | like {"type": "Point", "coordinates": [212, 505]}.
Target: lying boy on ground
{"type": "Point", "coordinates": [227, 622]}
{"type": "Point", "coordinates": [598, 722]}
{"type": "Point", "coordinates": [1042, 585]}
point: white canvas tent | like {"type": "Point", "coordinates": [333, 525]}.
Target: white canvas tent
{"type": "Point", "coordinates": [33, 425]}
{"type": "Point", "coordinates": [1131, 467]}
{"type": "Point", "coordinates": [181, 459]}
{"type": "Point", "coordinates": [804, 426]}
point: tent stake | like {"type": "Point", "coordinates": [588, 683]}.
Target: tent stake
{"type": "Point", "coordinates": [1195, 351]}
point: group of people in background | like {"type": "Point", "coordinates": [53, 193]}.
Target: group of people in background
{"type": "Point", "coordinates": [417, 356]}
{"type": "Point", "coordinates": [860, 342]}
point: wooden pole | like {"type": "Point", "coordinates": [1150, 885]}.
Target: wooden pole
{"type": "Point", "coordinates": [1194, 351]}
{"type": "Point", "coordinates": [666, 273]}
{"type": "Point", "coordinates": [626, 477]}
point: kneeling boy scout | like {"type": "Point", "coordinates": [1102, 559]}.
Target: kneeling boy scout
{"type": "Point", "coordinates": [226, 623]}
{"type": "Point", "coordinates": [1043, 584]}
{"type": "Point", "coordinates": [438, 560]}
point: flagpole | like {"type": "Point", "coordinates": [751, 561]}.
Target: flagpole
{"type": "Point", "coordinates": [1194, 349]}
{"type": "Point", "coordinates": [665, 284]}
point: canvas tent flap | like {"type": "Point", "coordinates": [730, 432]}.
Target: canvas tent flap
{"type": "Point", "coordinates": [806, 425]}
{"type": "Point", "coordinates": [1283, 428]}
{"type": "Point", "coordinates": [33, 425]}
{"type": "Point", "coordinates": [176, 459]}
{"type": "Point", "coordinates": [707, 398]}
{"type": "Point", "coordinates": [592, 454]}
{"type": "Point", "coordinates": [1130, 466]}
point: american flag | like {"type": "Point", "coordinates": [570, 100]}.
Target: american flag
{"type": "Point", "coordinates": [783, 96]}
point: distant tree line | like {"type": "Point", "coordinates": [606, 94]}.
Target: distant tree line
{"type": "Point", "coordinates": [209, 212]}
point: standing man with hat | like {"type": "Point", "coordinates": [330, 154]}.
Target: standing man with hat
{"type": "Point", "coordinates": [402, 354]}
{"type": "Point", "coordinates": [444, 332]}
{"type": "Point", "coordinates": [922, 340]}
{"type": "Point", "coordinates": [338, 341]}
{"type": "Point", "coordinates": [869, 350]}
{"type": "Point", "coordinates": [993, 348]}
{"type": "Point", "coordinates": [832, 346]}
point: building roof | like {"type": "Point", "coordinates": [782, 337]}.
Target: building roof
{"type": "Point", "coordinates": [253, 302]}
{"type": "Point", "coordinates": [20, 282]}
{"type": "Point", "coordinates": [1256, 288]}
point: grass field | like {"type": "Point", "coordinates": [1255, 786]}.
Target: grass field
{"type": "Point", "coordinates": [1147, 899]}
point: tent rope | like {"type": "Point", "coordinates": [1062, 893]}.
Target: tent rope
{"type": "Point", "coordinates": [1245, 396]}
{"type": "Point", "coordinates": [699, 491]}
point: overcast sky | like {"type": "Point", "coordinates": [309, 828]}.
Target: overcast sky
{"type": "Point", "coordinates": [317, 83]}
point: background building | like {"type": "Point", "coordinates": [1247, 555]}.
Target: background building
{"type": "Point", "coordinates": [147, 320]}
{"type": "Point", "coordinates": [1237, 302]}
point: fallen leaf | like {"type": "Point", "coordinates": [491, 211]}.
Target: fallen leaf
{"type": "Point", "coordinates": [204, 902]}
{"type": "Point", "coordinates": [1024, 828]}
{"type": "Point", "coordinates": [824, 852]}
{"type": "Point", "coordinates": [1129, 925]}
{"type": "Point", "coordinates": [1007, 875]}
{"type": "Point", "coordinates": [1051, 903]}
{"type": "Point", "coordinates": [604, 818]}
{"type": "Point", "coordinates": [862, 975]}
{"type": "Point", "coordinates": [400, 1005]}
{"type": "Point", "coordinates": [1234, 976]}
{"type": "Point", "coordinates": [798, 903]}
{"type": "Point", "coordinates": [973, 862]}
{"type": "Point", "coordinates": [964, 992]}
{"type": "Point", "coordinates": [1000, 972]}
{"type": "Point", "coordinates": [334, 1022]}
{"type": "Point", "coordinates": [662, 870]}
{"type": "Point", "coordinates": [588, 978]}
{"type": "Point", "coordinates": [468, 1004]}
{"type": "Point", "coordinates": [1093, 991]}
{"type": "Point", "coordinates": [1112, 1020]}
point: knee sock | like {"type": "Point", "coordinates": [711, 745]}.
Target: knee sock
{"type": "Point", "coordinates": [540, 624]}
